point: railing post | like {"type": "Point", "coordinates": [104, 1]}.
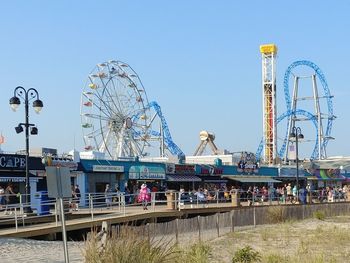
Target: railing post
{"type": "Point", "coordinates": [56, 218]}
{"type": "Point", "coordinates": [16, 223]}
{"type": "Point", "coordinates": [254, 216]}
{"type": "Point", "coordinates": [177, 230]}
{"type": "Point", "coordinates": [119, 202]}
{"type": "Point", "coordinates": [20, 204]}
{"type": "Point", "coordinates": [91, 206]}
{"type": "Point", "coordinates": [217, 224]}
{"type": "Point", "coordinates": [232, 220]}
{"type": "Point", "coordinates": [124, 204]}
{"type": "Point", "coordinates": [199, 228]}
{"type": "Point", "coordinates": [175, 200]}
{"type": "Point", "coordinates": [153, 200]}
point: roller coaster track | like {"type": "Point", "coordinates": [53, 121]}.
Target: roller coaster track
{"type": "Point", "coordinates": [289, 113]}
{"type": "Point", "coordinates": [169, 143]}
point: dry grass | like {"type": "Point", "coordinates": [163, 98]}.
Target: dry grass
{"type": "Point", "coordinates": [308, 241]}
{"type": "Point", "coordinates": [129, 245]}
{"type": "Point", "coordinates": [136, 246]}
{"type": "Point", "coordinates": [276, 214]}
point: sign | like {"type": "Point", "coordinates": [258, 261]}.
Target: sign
{"type": "Point", "coordinates": [134, 172]}
{"type": "Point", "coordinates": [210, 170]}
{"type": "Point", "coordinates": [170, 168]}
{"type": "Point", "coordinates": [184, 169]}
{"type": "Point", "coordinates": [58, 182]}
{"type": "Point", "coordinates": [292, 154]}
{"type": "Point", "coordinates": [146, 173]}
{"type": "Point", "coordinates": [247, 163]}
{"type": "Point", "coordinates": [108, 168]}
{"type": "Point", "coordinates": [12, 161]}
{"type": "Point", "coordinates": [18, 179]}
{"type": "Point", "coordinates": [327, 174]}
{"type": "Point", "coordinates": [62, 162]}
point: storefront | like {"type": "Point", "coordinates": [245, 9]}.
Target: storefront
{"type": "Point", "coordinates": [96, 174]}
{"type": "Point", "coordinates": [13, 171]}
{"type": "Point", "coordinates": [320, 178]}
{"type": "Point", "coordinates": [210, 174]}
{"type": "Point", "coordinates": [182, 176]}
{"type": "Point", "coordinates": [153, 174]}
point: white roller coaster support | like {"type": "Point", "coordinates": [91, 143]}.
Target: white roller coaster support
{"type": "Point", "coordinates": [321, 150]}
{"type": "Point", "coordinates": [291, 122]}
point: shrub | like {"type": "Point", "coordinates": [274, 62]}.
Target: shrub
{"type": "Point", "coordinates": [276, 258]}
{"type": "Point", "coordinates": [320, 215]}
{"type": "Point", "coordinates": [128, 246]}
{"type": "Point", "coordinates": [276, 214]}
{"type": "Point", "coordinates": [246, 255]}
{"type": "Point", "coordinates": [197, 253]}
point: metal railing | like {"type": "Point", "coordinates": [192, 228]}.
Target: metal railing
{"type": "Point", "coordinates": [94, 204]}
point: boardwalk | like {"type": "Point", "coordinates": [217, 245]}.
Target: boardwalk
{"type": "Point", "coordinates": [83, 219]}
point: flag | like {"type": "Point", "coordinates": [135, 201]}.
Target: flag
{"type": "Point", "coordinates": [2, 139]}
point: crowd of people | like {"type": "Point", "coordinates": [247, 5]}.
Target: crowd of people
{"type": "Point", "coordinates": [252, 194]}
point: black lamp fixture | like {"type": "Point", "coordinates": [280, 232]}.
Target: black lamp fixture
{"type": "Point", "coordinates": [34, 131]}
{"type": "Point", "coordinates": [296, 135]}
{"type": "Point", "coordinates": [15, 101]}
{"type": "Point", "coordinates": [19, 128]}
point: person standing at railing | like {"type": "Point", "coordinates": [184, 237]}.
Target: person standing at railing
{"type": "Point", "coordinates": [108, 196]}
{"type": "Point", "coordinates": [2, 197]}
{"type": "Point", "coordinates": [10, 197]}
{"type": "Point", "coordinates": [118, 193]}
{"type": "Point", "coordinates": [250, 196]}
{"type": "Point", "coordinates": [144, 196]}
{"type": "Point", "coordinates": [289, 192]}
{"type": "Point", "coordinates": [77, 196]}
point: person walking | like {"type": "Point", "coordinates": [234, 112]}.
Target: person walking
{"type": "Point", "coordinates": [2, 197]}
{"type": "Point", "coordinates": [10, 197]}
{"type": "Point", "coordinates": [77, 196]}
{"type": "Point", "coordinates": [108, 196]}
{"type": "Point", "coordinates": [144, 196]}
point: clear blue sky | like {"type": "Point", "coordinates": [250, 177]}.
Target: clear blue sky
{"type": "Point", "coordinates": [199, 60]}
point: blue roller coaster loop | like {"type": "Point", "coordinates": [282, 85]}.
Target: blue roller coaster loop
{"type": "Point", "coordinates": [171, 146]}
{"type": "Point", "coordinates": [289, 113]}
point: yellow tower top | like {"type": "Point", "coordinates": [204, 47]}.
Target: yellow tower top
{"type": "Point", "coordinates": [268, 48]}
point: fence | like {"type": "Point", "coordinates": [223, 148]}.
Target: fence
{"type": "Point", "coordinates": [93, 203]}
{"type": "Point", "coordinates": [203, 228]}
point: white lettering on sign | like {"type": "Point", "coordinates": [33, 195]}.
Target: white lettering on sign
{"type": "Point", "coordinates": [108, 168]}
{"type": "Point", "coordinates": [12, 162]}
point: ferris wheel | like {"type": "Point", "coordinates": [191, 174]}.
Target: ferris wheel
{"type": "Point", "coordinates": [115, 116]}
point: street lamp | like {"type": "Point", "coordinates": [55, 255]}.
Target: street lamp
{"type": "Point", "coordinates": [15, 101]}
{"type": "Point", "coordinates": [296, 135]}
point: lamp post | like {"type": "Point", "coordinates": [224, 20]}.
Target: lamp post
{"type": "Point", "coordinates": [296, 135]}
{"type": "Point", "coordinates": [15, 101]}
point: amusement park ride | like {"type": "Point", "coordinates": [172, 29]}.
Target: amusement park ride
{"type": "Point", "coordinates": [119, 121]}
{"type": "Point", "coordinates": [117, 118]}
{"type": "Point", "coordinates": [267, 151]}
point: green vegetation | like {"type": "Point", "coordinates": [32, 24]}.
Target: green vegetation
{"type": "Point", "coordinates": [276, 214]}
{"type": "Point", "coordinates": [197, 253]}
{"type": "Point", "coordinates": [308, 241]}
{"type": "Point", "coordinates": [129, 246]}
{"type": "Point", "coordinates": [134, 246]}
{"type": "Point", "coordinates": [246, 255]}
{"type": "Point", "coordinates": [320, 215]}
